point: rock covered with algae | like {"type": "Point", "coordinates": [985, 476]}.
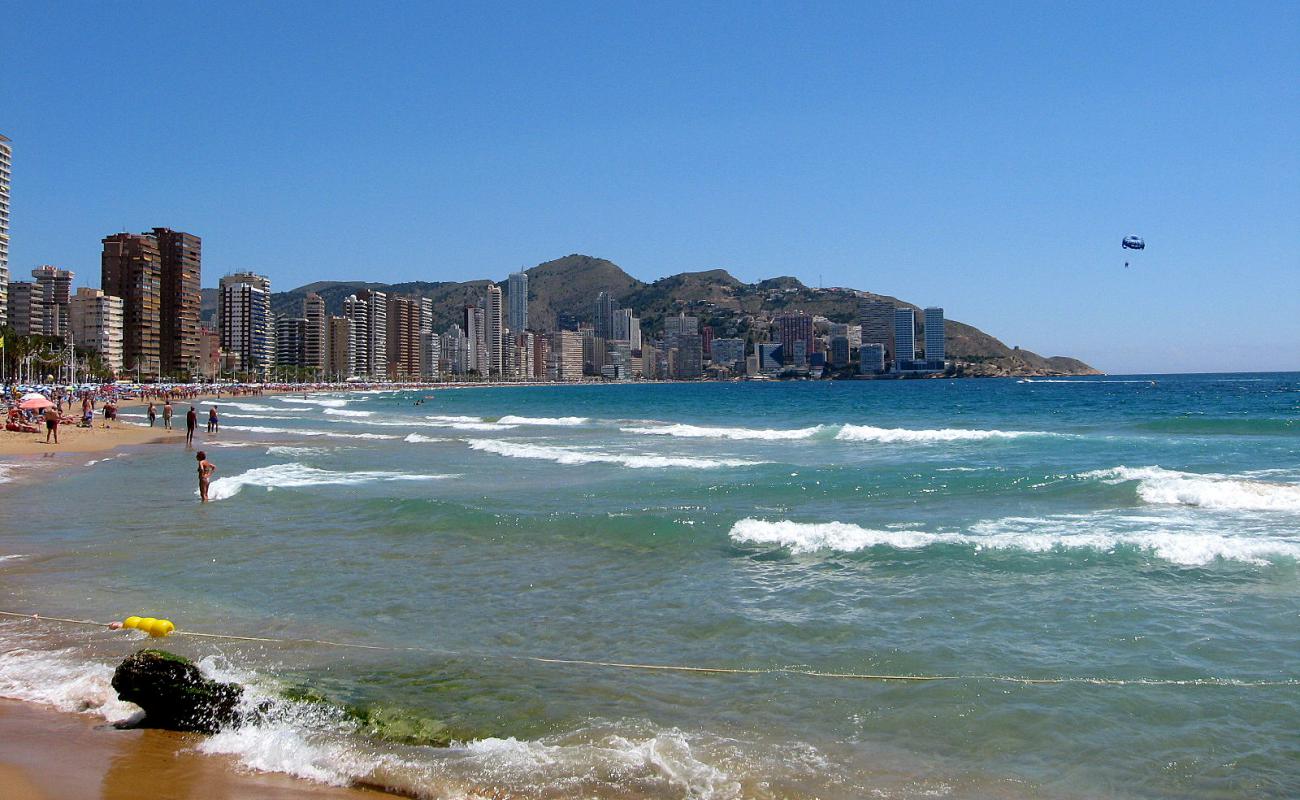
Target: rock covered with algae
{"type": "Point", "coordinates": [175, 695]}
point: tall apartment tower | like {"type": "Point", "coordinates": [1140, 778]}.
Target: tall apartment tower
{"type": "Point", "coordinates": [904, 337]}
{"type": "Point", "coordinates": [935, 349]}
{"type": "Point", "coordinates": [495, 330]}
{"type": "Point", "coordinates": [244, 315]}
{"type": "Point", "coordinates": [517, 289]}
{"type": "Point", "coordinates": [339, 359]}
{"type": "Point", "coordinates": [131, 268]}
{"type": "Point", "coordinates": [604, 322]}
{"type": "Point", "coordinates": [55, 288]}
{"type": "Point", "coordinates": [182, 257]}
{"type": "Point", "coordinates": [877, 320]}
{"type": "Point", "coordinates": [357, 312]}
{"type": "Point", "coordinates": [290, 341]}
{"type": "Point", "coordinates": [95, 320]}
{"type": "Point", "coordinates": [6, 164]}
{"type": "Point", "coordinates": [796, 331]}
{"type": "Point", "coordinates": [26, 311]}
{"type": "Point", "coordinates": [376, 364]}
{"type": "Point", "coordinates": [476, 356]}
{"type": "Point", "coordinates": [315, 346]}
{"type": "Point", "coordinates": [404, 345]}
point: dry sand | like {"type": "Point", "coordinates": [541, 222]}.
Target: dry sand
{"type": "Point", "coordinates": [52, 755]}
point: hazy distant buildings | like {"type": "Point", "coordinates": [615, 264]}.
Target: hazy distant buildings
{"type": "Point", "coordinates": [769, 357]}
{"type": "Point", "coordinates": [517, 289]}
{"type": "Point", "coordinates": [131, 268]}
{"type": "Point", "coordinates": [404, 345]}
{"type": "Point", "coordinates": [6, 165]}
{"type": "Point", "coordinates": [872, 359]}
{"type": "Point", "coordinates": [476, 357]}
{"type": "Point", "coordinates": [935, 348]}
{"type": "Point", "coordinates": [495, 320]}
{"type": "Point", "coordinates": [566, 356]}
{"type": "Point", "coordinates": [95, 321]}
{"type": "Point", "coordinates": [26, 311]}
{"type": "Point", "coordinates": [839, 352]}
{"type": "Point", "coordinates": [245, 323]}
{"type": "Point", "coordinates": [729, 353]}
{"type": "Point", "coordinates": [604, 315]}
{"type": "Point", "coordinates": [796, 334]}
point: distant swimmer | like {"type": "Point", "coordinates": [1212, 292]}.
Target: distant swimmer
{"type": "Point", "coordinates": [206, 468]}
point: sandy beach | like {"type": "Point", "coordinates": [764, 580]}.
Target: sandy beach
{"type": "Point", "coordinates": [53, 755]}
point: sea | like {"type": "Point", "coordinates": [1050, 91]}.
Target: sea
{"type": "Point", "coordinates": [1065, 588]}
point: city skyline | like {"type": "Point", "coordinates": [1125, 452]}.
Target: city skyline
{"type": "Point", "coordinates": [854, 163]}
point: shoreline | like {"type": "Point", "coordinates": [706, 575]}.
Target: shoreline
{"type": "Point", "coordinates": [47, 754]}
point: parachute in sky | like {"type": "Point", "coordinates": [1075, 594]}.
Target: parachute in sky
{"type": "Point", "coordinates": [1133, 243]}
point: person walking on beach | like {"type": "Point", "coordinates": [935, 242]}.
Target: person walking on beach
{"type": "Point", "coordinates": [51, 424]}
{"type": "Point", "coordinates": [191, 422]}
{"type": "Point", "coordinates": [206, 468]}
{"type": "Point", "coordinates": [167, 415]}
{"type": "Point", "coordinates": [214, 424]}
{"type": "Point", "coordinates": [153, 413]}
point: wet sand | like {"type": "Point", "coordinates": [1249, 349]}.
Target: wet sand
{"type": "Point", "coordinates": [52, 755]}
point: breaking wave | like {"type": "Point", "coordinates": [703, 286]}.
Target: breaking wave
{"type": "Point", "coordinates": [294, 475]}
{"type": "Point", "coordinates": [868, 433]}
{"type": "Point", "coordinates": [700, 432]}
{"type": "Point", "coordinates": [305, 432]}
{"type": "Point", "coordinates": [1185, 545]}
{"type": "Point", "coordinates": [325, 402]}
{"type": "Point", "coordinates": [571, 455]}
{"type": "Point", "coordinates": [415, 438]}
{"type": "Point", "coordinates": [348, 412]}
{"type": "Point", "coordinates": [1170, 487]}
{"type": "Point", "coordinates": [467, 423]}
{"type": "Point", "coordinates": [511, 419]}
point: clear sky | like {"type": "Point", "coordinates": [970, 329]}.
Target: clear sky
{"type": "Point", "coordinates": [986, 157]}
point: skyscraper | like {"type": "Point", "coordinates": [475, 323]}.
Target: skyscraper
{"type": "Point", "coordinates": [357, 312]}
{"type": "Point", "coordinates": [873, 358]}
{"type": "Point", "coordinates": [377, 334]}
{"type": "Point", "coordinates": [26, 311]}
{"type": "Point", "coordinates": [55, 289]}
{"type": "Point", "coordinates": [95, 319]}
{"type": "Point", "coordinates": [904, 338]}
{"type": "Point", "coordinates": [517, 288]}
{"type": "Point", "coordinates": [290, 341]}
{"type": "Point", "coordinates": [179, 328]}
{"type": "Point", "coordinates": [877, 319]}
{"type": "Point", "coordinates": [405, 346]}
{"type": "Point", "coordinates": [315, 349]}
{"type": "Point", "coordinates": [604, 315]}
{"type": "Point", "coordinates": [339, 360]}
{"type": "Point", "coordinates": [935, 349]}
{"type": "Point", "coordinates": [244, 317]}
{"type": "Point", "coordinates": [566, 355]}
{"type": "Point", "coordinates": [680, 325]}
{"type": "Point", "coordinates": [131, 268]}
{"type": "Point", "coordinates": [796, 332]}
{"type": "Point", "coordinates": [495, 330]}
{"type": "Point", "coordinates": [6, 165]}
{"type": "Point", "coordinates": [476, 356]}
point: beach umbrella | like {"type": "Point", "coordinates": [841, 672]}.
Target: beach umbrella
{"type": "Point", "coordinates": [32, 396]}
{"type": "Point", "coordinates": [36, 403]}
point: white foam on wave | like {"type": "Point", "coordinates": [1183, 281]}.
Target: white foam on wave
{"type": "Point", "coordinates": [13, 557]}
{"type": "Point", "coordinates": [567, 422]}
{"type": "Point", "coordinates": [348, 412]}
{"type": "Point", "coordinates": [5, 469]}
{"type": "Point", "coordinates": [61, 679]}
{"type": "Point", "coordinates": [295, 452]}
{"type": "Point", "coordinates": [572, 456]}
{"type": "Point", "coordinates": [467, 423]}
{"type": "Point", "coordinates": [295, 475]}
{"type": "Point", "coordinates": [226, 414]}
{"type": "Point", "coordinates": [305, 432]}
{"type": "Point", "coordinates": [701, 432]}
{"type": "Point", "coordinates": [416, 438]}
{"type": "Point", "coordinates": [869, 433]}
{"type": "Point", "coordinates": [325, 402]}
{"type": "Point", "coordinates": [1204, 490]}
{"type": "Point", "coordinates": [251, 407]}
{"type": "Point", "coordinates": [1173, 541]}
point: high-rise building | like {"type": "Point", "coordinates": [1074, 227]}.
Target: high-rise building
{"type": "Point", "coordinates": [679, 325]}
{"type": "Point", "coordinates": [377, 346]}
{"type": "Point", "coordinates": [852, 332]}
{"type": "Point", "coordinates": [340, 363]}
{"type": "Point", "coordinates": [839, 352]}
{"type": "Point", "coordinates": [430, 355]}
{"type": "Point", "coordinates": [290, 341]}
{"type": "Point", "coordinates": [405, 345]}
{"type": "Point", "coordinates": [357, 312]}
{"type": "Point", "coordinates": [872, 358]}
{"type": "Point", "coordinates": [904, 338]}
{"type": "Point", "coordinates": [566, 355]}
{"type": "Point", "coordinates": [95, 320]}
{"type": "Point", "coordinates": [517, 288]}
{"type": "Point", "coordinates": [604, 315]}
{"type": "Point", "coordinates": [131, 268]}
{"type": "Point", "coordinates": [769, 357]}
{"type": "Point", "coordinates": [180, 298]}
{"type": "Point", "coordinates": [209, 354]}
{"type": "Point", "coordinates": [495, 330]}
{"type": "Point", "coordinates": [315, 348]}
{"type": "Point", "coordinates": [245, 322]}
{"type": "Point", "coordinates": [26, 311]}
{"type": "Point", "coordinates": [877, 323]}
{"type": "Point", "coordinates": [476, 358]}
{"type": "Point", "coordinates": [55, 287]}
{"type": "Point", "coordinates": [6, 165]}
{"type": "Point", "coordinates": [729, 353]}
{"type": "Point", "coordinates": [541, 352]}
{"type": "Point", "coordinates": [796, 334]}
{"type": "Point", "coordinates": [690, 356]}
{"type": "Point", "coordinates": [935, 349]}
{"type": "Point", "coordinates": [455, 350]}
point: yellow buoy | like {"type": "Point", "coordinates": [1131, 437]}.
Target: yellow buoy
{"type": "Point", "coordinates": [131, 622]}
{"type": "Point", "coordinates": [160, 628]}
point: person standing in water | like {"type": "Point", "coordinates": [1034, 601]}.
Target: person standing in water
{"type": "Point", "coordinates": [191, 422]}
{"type": "Point", "coordinates": [206, 468]}
{"type": "Point", "coordinates": [214, 424]}
{"type": "Point", "coordinates": [153, 414]}
{"type": "Point", "coordinates": [167, 415]}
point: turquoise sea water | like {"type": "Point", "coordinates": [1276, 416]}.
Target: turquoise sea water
{"type": "Point", "coordinates": [1109, 528]}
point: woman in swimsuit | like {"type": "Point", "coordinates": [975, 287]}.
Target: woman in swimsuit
{"type": "Point", "coordinates": [206, 468]}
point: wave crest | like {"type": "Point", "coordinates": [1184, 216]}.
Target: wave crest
{"type": "Point", "coordinates": [295, 475]}
{"type": "Point", "coordinates": [702, 432]}
{"type": "Point", "coordinates": [571, 456]}
{"type": "Point", "coordinates": [1204, 490]}
{"type": "Point", "coordinates": [869, 433]}
{"type": "Point", "coordinates": [567, 422]}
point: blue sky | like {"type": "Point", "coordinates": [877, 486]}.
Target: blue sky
{"type": "Point", "coordinates": [983, 157]}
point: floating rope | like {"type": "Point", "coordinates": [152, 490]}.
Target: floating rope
{"type": "Point", "coordinates": [799, 671]}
